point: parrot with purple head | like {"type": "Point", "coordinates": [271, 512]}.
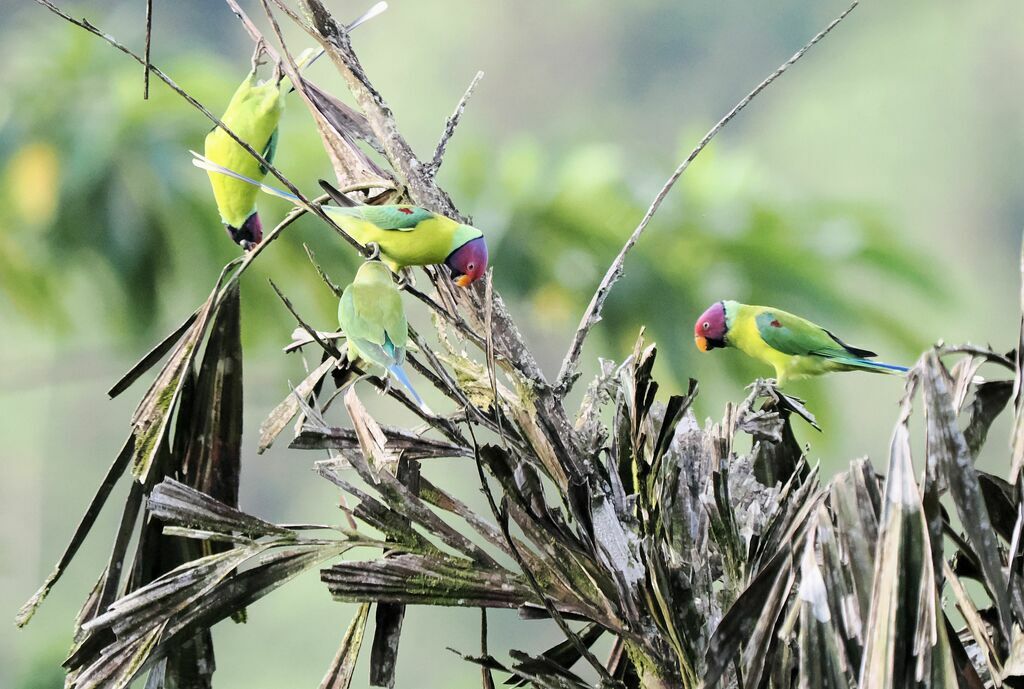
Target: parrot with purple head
{"type": "Point", "coordinates": [253, 114]}
{"type": "Point", "coordinates": [795, 347]}
{"type": "Point", "coordinates": [406, 235]}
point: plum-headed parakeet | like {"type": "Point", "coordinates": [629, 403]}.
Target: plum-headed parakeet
{"type": "Point", "coordinates": [406, 235]}
{"type": "Point", "coordinates": [795, 347]}
{"type": "Point", "coordinates": [253, 114]}
{"type": "Point", "coordinates": [371, 315]}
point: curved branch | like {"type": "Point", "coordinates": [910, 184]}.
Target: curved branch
{"type": "Point", "coordinates": [568, 374]}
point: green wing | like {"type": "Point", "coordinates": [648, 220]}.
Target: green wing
{"type": "Point", "coordinates": [371, 315]}
{"type": "Point", "coordinates": [270, 150]}
{"type": "Point", "coordinates": [394, 217]}
{"type": "Point", "coordinates": [793, 335]}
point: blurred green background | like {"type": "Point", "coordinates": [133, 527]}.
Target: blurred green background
{"type": "Point", "coordinates": [875, 188]}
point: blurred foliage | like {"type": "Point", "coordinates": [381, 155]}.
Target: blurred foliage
{"type": "Point", "coordinates": [100, 188]}
{"type": "Point", "coordinates": [725, 233]}
{"type": "Point", "coordinates": [100, 203]}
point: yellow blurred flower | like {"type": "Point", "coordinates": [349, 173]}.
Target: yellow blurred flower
{"type": "Point", "coordinates": [31, 180]}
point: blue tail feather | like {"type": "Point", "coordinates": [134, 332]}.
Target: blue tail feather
{"type": "Point", "coordinates": [399, 373]}
{"type": "Point", "coordinates": [867, 363]}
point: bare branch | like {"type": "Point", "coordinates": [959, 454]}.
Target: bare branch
{"type": "Point", "coordinates": [450, 124]}
{"type": "Point", "coordinates": [320, 271]}
{"type": "Point", "coordinates": [327, 346]}
{"type": "Point", "coordinates": [568, 374]}
{"type": "Point", "coordinates": [411, 172]}
{"type": "Point", "coordinates": [149, 42]}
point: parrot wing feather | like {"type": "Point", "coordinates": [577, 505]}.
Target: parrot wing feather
{"type": "Point", "coordinates": [337, 196]}
{"type": "Point", "coordinates": [401, 218]}
{"type": "Point", "coordinates": [371, 310]}
{"type": "Point", "coordinates": [795, 336]}
{"type": "Point", "coordinates": [269, 150]}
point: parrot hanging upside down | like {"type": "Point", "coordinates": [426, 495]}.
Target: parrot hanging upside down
{"type": "Point", "coordinates": [795, 347]}
{"type": "Point", "coordinates": [253, 114]}
{"type": "Point", "coordinates": [406, 235]}
{"type": "Point", "coordinates": [371, 315]}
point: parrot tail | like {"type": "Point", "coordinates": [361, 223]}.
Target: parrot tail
{"type": "Point", "coordinates": [366, 16]}
{"type": "Point", "coordinates": [399, 373]}
{"type": "Point", "coordinates": [876, 366]}
{"type": "Point", "coordinates": [204, 163]}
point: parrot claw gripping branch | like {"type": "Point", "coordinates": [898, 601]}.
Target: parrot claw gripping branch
{"type": "Point", "coordinates": [706, 566]}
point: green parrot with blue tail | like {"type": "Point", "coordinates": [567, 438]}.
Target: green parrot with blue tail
{"type": "Point", "coordinates": [407, 235]}
{"type": "Point", "coordinates": [795, 347]}
{"type": "Point", "coordinates": [253, 114]}
{"type": "Point", "coordinates": [371, 315]}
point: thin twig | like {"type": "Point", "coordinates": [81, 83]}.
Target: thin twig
{"type": "Point", "coordinates": [327, 346]}
{"type": "Point", "coordinates": [309, 205]}
{"type": "Point", "coordinates": [149, 42]}
{"type": "Point", "coordinates": [250, 28]}
{"type": "Point", "coordinates": [485, 673]}
{"type": "Point", "coordinates": [320, 271]}
{"type": "Point", "coordinates": [568, 374]}
{"type": "Point", "coordinates": [449, 126]}
{"type": "Point", "coordinates": [454, 319]}
{"type": "Point", "coordinates": [251, 256]}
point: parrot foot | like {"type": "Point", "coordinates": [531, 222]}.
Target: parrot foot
{"type": "Point", "coordinates": [257, 54]}
{"type": "Point", "coordinates": [371, 251]}
{"type": "Point", "coordinates": [405, 279]}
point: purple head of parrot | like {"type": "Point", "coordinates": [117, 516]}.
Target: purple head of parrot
{"type": "Point", "coordinates": [249, 234]}
{"type": "Point", "coordinates": [468, 262]}
{"type": "Point", "coordinates": [709, 332]}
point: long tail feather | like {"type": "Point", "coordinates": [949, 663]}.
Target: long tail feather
{"type": "Point", "coordinates": [204, 163]}
{"type": "Point", "coordinates": [378, 8]}
{"type": "Point", "coordinates": [366, 16]}
{"type": "Point", "coordinates": [399, 373]}
{"type": "Point", "coordinates": [876, 366]}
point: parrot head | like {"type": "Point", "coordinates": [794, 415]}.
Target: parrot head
{"type": "Point", "coordinates": [249, 234]}
{"type": "Point", "coordinates": [710, 330]}
{"type": "Point", "coordinates": [468, 262]}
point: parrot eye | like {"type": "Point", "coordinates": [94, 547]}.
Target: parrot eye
{"type": "Point", "coordinates": [471, 266]}
{"type": "Point", "coordinates": [706, 325]}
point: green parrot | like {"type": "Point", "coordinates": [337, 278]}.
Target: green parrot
{"type": "Point", "coordinates": [254, 114]}
{"type": "Point", "coordinates": [795, 347]}
{"type": "Point", "coordinates": [371, 315]}
{"type": "Point", "coordinates": [406, 235]}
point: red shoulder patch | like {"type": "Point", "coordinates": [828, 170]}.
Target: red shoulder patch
{"type": "Point", "coordinates": [407, 211]}
{"type": "Point", "coordinates": [776, 324]}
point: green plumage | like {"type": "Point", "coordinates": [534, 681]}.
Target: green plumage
{"type": "Point", "coordinates": [370, 314]}
{"type": "Point", "coordinates": [406, 235]}
{"type": "Point", "coordinates": [794, 346]}
{"type": "Point", "coordinates": [253, 114]}
{"type": "Point", "coordinates": [372, 317]}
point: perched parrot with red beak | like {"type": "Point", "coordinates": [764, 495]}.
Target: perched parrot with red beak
{"type": "Point", "coordinates": [795, 347]}
{"type": "Point", "coordinates": [406, 235]}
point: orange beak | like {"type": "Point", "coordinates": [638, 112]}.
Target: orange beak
{"type": "Point", "coordinates": [702, 342]}
{"type": "Point", "coordinates": [463, 280]}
